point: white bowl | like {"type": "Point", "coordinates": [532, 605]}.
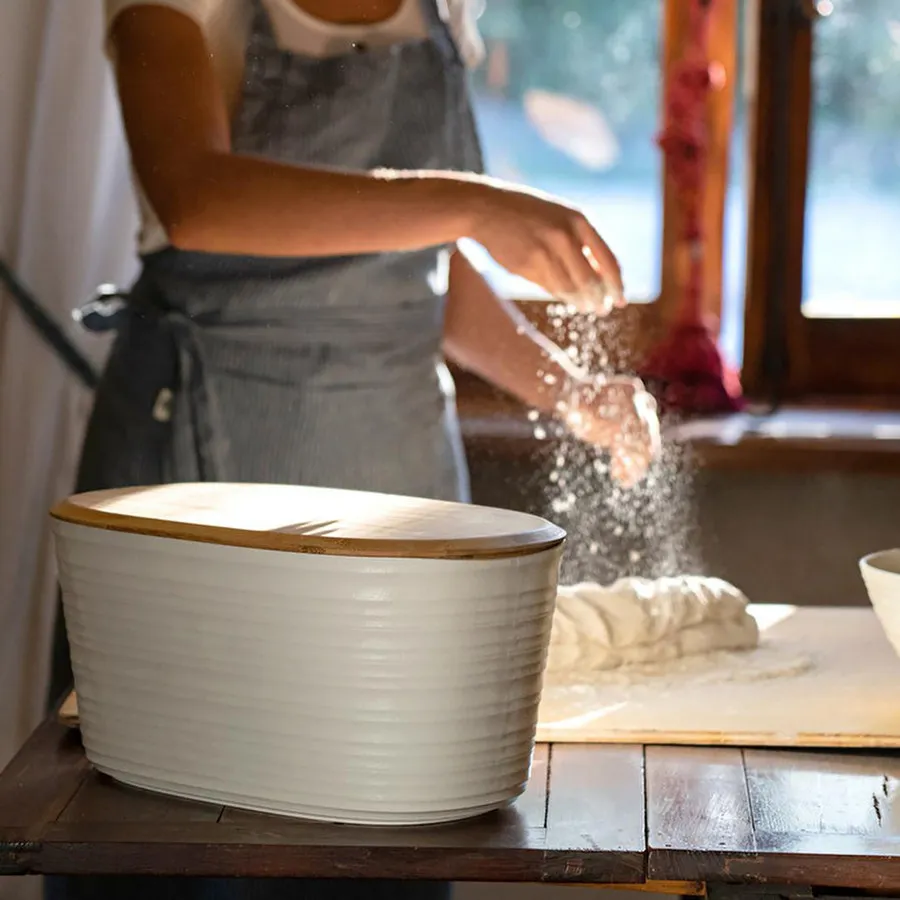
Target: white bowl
{"type": "Point", "coordinates": [339, 688]}
{"type": "Point", "coordinates": [881, 574]}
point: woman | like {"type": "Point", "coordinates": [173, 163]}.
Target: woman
{"type": "Point", "coordinates": [306, 168]}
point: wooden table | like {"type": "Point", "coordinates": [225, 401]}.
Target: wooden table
{"type": "Point", "coordinates": [675, 819]}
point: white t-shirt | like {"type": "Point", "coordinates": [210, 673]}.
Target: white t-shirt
{"type": "Point", "coordinates": [226, 23]}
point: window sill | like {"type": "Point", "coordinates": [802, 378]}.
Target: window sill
{"type": "Point", "coordinates": [798, 439]}
{"type": "Point", "coordinates": [794, 439]}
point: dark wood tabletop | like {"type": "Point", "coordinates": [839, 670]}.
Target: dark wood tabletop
{"type": "Point", "coordinates": [668, 818]}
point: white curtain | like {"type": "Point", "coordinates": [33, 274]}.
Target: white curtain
{"type": "Point", "coordinates": [67, 224]}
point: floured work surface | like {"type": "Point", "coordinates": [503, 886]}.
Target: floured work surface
{"type": "Point", "coordinates": [819, 678]}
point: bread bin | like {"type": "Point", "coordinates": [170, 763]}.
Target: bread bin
{"type": "Point", "coordinates": [331, 655]}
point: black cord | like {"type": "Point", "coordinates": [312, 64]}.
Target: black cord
{"type": "Point", "coordinates": [48, 329]}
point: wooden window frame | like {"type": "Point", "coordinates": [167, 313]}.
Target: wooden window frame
{"type": "Point", "coordinates": [723, 51]}
{"type": "Point", "coordinates": [788, 357]}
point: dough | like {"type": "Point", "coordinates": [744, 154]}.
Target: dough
{"type": "Point", "coordinates": [639, 620]}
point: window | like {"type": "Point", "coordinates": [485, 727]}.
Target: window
{"type": "Point", "coordinates": [823, 297]}
{"type": "Point", "coordinates": [853, 193]}
{"type": "Point", "coordinates": [568, 102]}
{"type": "Point", "coordinates": [803, 205]}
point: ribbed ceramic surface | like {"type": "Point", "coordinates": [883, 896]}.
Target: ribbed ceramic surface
{"type": "Point", "coordinates": [375, 691]}
{"type": "Point", "coordinates": [881, 574]}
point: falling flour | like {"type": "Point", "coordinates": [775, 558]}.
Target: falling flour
{"type": "Point", "coordinates": [647, 530]}
{"type": "Point", "coordinates": [652, 628]}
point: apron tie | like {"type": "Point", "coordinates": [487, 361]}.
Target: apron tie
{"type": "Point", "coordinates": [199, 441]}
{"type": "Point", "coordinates": [192, 406]}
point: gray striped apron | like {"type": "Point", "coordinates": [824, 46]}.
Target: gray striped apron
{"type": "Point", "coordinates": [324, 372]}
{"type": "Point", "coordinates": [297, 371]}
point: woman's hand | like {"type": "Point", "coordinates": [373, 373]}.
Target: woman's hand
{"type": "Point", "coordinates": [618, 415]}
{"type": "Point", "coordinates": [549, 243]}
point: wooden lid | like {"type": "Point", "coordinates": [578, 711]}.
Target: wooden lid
{"type": "Point", "coordinates": [313, 520]}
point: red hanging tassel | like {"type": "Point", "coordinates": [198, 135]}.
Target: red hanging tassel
{"type": "Point", "coordinates": [687, 369]}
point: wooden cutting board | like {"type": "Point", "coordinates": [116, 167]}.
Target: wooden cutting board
{"type": "Point", "coordinates": [820, 678]}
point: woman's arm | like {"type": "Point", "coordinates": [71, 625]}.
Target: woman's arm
{"type": "Point", "coordinates": [490, 337]}
{"type": "Point", "coordinates": [209, 198]}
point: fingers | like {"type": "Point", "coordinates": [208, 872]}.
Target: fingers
{"type": "Point", "coordinates": [591, 268]}
{"type": "Point", "coordinates": [604, 299]}
{"type": "Point", "coordinates": [625, 423]}
{"type": "Point", "coordinates": [591, 298]}
{"type": "Point", "coordinates": [553, 246]}
{"type": "Point", "coordinates": [649, 413]}
{"type": "Point", "coordinates": [601, 259]}
{"type": "Point", "coordinates": [630, 461]}
{"type": "Point", "coordinates": [645, 419]}
{"type": "Point", "coordinates": [636, 447]}
{"type": "Point", "coordinates": [625, 469]}
{"type": "Point", "coordinates": [580, 268]}
{"type": "Point", "coordinates": [567, 271]}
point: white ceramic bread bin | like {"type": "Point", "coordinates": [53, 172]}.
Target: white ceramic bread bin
{"type": "Point", "coordinates": [332, 655]}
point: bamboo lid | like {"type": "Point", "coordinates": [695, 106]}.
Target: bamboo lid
{"type": "Point", "coordinates": [313, 520]}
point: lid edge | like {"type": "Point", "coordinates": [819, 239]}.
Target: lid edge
{"type": "Point", "coordinates": [524, 543]}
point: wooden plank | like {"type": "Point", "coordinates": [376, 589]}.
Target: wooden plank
{"type": "Point", "coordinates": [68, 712]}
{"type": "Point", "coordinates": [111, 829]}
{"type": "Point", "coordinates": [503, 830]}
{"type": "Point", "coordinates": [698, 812]}
{"type": "Point", "coordinates": [831, 816]}
{"type": "Point", "coordinates": [595, 813]}
{"type": "Point", "coordinates": [811, 819]}
{"type": "Point", "coordinates": [671, 888]}
{"type": "Point", "coordinates": [873, 866]}
{"type": "Point", "coordinates": [665, 888]}
{"type": "Point", "coordinates": [597, 817]}
{"type": "Point", "coordinates": [34, 789]}
{"type": "Point", "coordinates": [713, 814]}
{"type": "Point", "coordinates": [823, 793]}
{"type": "Point", "coordinates": [102, 800]}
{"type": "Point", "coordinates": [40, 781]}
{"type": "Point", "coordinates": [495, 848]}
